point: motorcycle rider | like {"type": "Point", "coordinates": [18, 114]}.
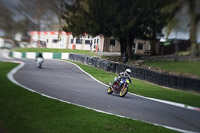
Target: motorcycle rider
{"type": "Point", "coordinates": [39, 60]}
{"type": "Point", "coordinates": [39, 56]}
{"type": "Point", "coordinates": [120, 84]}
{"type": "Point", "coordinates": [125, 74]}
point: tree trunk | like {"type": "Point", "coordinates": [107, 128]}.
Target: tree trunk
{"type": "Point", "coordinates": [193, 26]}
{"type": "Point", "coordinates": [130, 40]}
{"type": "Point", "coordinates": [153, 47]}
{"type": "Point", "coordinates": [193, 37]}
{"type": "Point", "coordinates": [122, 45]}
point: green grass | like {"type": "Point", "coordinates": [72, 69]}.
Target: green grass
{"type": "Point", "coordinates": [86, 52]}
{"type": "Point", "coordinates": [145, 89]}
{"type": "Point", "coordinates": [191, 67]}
{"type": "Point", "coordinates": [185, 53]}
{"type": "Point", "coordinates": [22, 111]}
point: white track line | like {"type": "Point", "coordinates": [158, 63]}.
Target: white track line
{"type": "Point", "coordinates": [13, 71]}
{"type": "Point", "coordinates": [157, 100]}
{"type": "Point", "coordinates": [5, 54]}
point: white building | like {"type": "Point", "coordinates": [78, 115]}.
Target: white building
{"type": "Point", "coordinates": [81, 43]}
{"type": "Point", "coordinates": [64, 40]}
{"type": "Point", "coordinates": [50, 39]}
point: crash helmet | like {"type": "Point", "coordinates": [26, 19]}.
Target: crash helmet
{"type": "Point", "coordinates": [127, 72]}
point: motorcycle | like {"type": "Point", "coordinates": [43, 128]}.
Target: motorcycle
{"type": "Point", "coordinates": [119, 86]}
{"type": "Point", "coordinates": [39, 62]}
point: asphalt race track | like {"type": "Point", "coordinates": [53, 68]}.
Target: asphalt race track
{"type": "Point", "coordinates": [65, 81]}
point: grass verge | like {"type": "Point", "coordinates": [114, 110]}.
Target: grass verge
{"type": "Point", "coordinates": [145, 89]}
{"type": "Point", "coordinates": [187, 68]}
{"type": "Point", "coordinates": [22, 111]}
{"type": "Point", "coordinates": [191, 67]}
{"type": "Point", "coordinates": [53, 50]}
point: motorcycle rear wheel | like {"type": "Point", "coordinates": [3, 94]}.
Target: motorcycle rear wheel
{"type": "Point", "coordinates": [123, 92]}
{"type": "Point", "coordinates": [110, 91]}
{"type": "Point", "coordinates": [40, 66]}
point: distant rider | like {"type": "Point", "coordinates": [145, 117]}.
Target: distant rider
{"type": "Point", "coordinates": [39, 55]}
{"type": "Point", "coordinates": [39, 60]}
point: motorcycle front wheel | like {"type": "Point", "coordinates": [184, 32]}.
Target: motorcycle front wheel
{"type": "Point", "coordinates": [39, 65]}
{"type": "Point", "coordinates": [123, 92]}
{"type": "Point", "coordinates": [110, 91]}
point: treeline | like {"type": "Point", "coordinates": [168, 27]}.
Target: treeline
{"type": "Point", "coordinates": [127, 19]}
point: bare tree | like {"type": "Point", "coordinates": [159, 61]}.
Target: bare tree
{"type": "Point", "coordinates": [25, 15]}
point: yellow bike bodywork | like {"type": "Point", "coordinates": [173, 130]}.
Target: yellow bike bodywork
{"type": "Point", "coordinates": [110, 90]}
{"type": "Point", "coordinates": [123, 92]}
{"type": "Point", "coordinates": [124, 88]}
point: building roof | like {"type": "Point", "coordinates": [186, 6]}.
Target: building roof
{"type": "Point", "coordinates": [48, 33]}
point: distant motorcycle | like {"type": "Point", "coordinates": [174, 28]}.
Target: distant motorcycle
{"type": "Point", "coordinates": [119, 86]}
{"type": "Point", "coordinates": [39, 62]}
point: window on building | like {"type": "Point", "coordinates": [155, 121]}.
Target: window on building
{"type": "Point", "coordinates": [133, 46]}
{"type": "Point", "coordinates": [54, 41]}
{"type": "Point", "coordinates": [78, 41]}
{"type": "Point", "coordinates": [94, 41]}
{"type": "Point", "coordinates": [61, 45]}
{"type": "Point", "coordinates": [112, 42]}
{"type": "Point", "coordinates": [97, 41]}
{"type": "Point", "coordinates": [140, 46]}
{"type": "Point", "coordinates": [87, 41]}
{"type": "Point", "coordinates": [72, 41]}
{"type": "Point", "coordinates": [47, 40]}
